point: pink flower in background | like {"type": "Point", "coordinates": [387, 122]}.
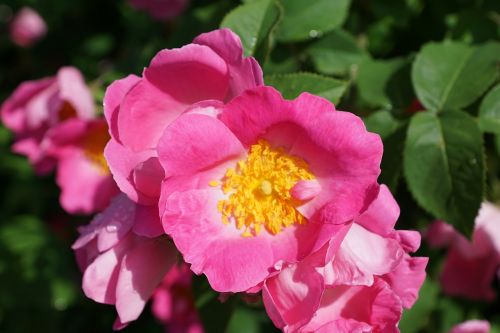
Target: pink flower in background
{"type": "Point", "coordinates": [123, 257]}
{"type": "Point", "coordinates": [470, 267]}
{"type": "Point", "coordinates": [82, 173]}
{"type": "Point", "coordinates": [40, 105]}
{"type": "Point", "coordinates": [173, 302]}
{"type": "Point", "coordinates": [267, 182]}
{"type": "Point", "coordinates": [472, 326]}
{"type": "Point", "coordinates": [161, 9]}
{"type": "Point", "coordinates": [358, 283]}
{"type": "Point", "coordinates": [27, 27]}
{"type": "Point", "coordinates": [211, 71]}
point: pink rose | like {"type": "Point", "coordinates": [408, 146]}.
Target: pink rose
{"type": "Point", "coordinates": [358, 282]}
{"type": "Point", "coordinates": [123, 257]}
{"type": "Point", "coordinates": [161, 9]}
{"type": "Point", "coordinates": [173, 302]}
{"type": "Point", "coordinates": [211, 71]}
{"type": "Point", "coordinates": [27, 27]}
{"type": "Point", "coordinates": [82, 172]}
{"type": "Point", "coordinates": [470, 267]}
{"type": "Point", "coordinates": [265, 182]}
{"type": "Point", "coordinates": [472, 326]}
{"type": "Point", "coordinates": [40, 105]}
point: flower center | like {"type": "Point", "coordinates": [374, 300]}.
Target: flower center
{"type": "Point", "coordinates": [93, 147]}
{"type": "Point", "coordinates": [259, 190]}
{"type": "Point", "coordinates": [66, 111]}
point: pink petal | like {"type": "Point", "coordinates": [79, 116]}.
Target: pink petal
{"type": "Point", "coordinates": [13, 109]}
{"type": "Point", "coordinates": [122, 162]}
{"type": "Point", "coordinates": [245, 73]}
{"type": "Point", "coordinates": [382, 214]}
{"type": "Point", "coordinates": [194, 142]}
{"type": "Point", "coordinates": [101, 276]}
{"type": "Point", "coordinates": [306, 190]}
{"type": "Point", "coordinates": [362, 256]}
{"type": "Point", "coordinates": [72, 88]}
{"type": "Point", "coordinates": [153, 108]}
{"type": "Point", "coordinates": [91, 191]}
{"type": "Point", "coordinates": [147, 221]}
{"type": "Point", "coordinates": [113, 98]}
{"type": "Point", "coordinates": [440, 234]}
{"type": "Point", "coordinates": [141, 271]}
{"type": "Point", "coordinates": [114, 222]}
{"type": "Point", "coordinates": [407, 278]}
{"type": "Point", "coordinates": [472, 326]}
{"type": "Point", "coordinates": [375, 305]}
{"type": "Point", "coordinates": [189, 74]}
{"type": "Point", "coordinates": [147, 177]}
{"type": "Point", "coordinates": [488, 222]}
{"type": "Point", "coordinates": [469, 277]}
{"type": "Point", "coordinates": [294, 295]}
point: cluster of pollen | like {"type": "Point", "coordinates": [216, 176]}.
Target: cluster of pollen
{"type": "Point", "coordinates": [258, 190]}
{"type": "Point", "coordinates": [93, 147]}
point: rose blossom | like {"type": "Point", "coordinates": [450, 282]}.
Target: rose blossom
{"type": "Point", "coordinates": [356, 283]}
{"type": "Point", "coordinates": [210, 71]}
{"type": "Point", "coordinates": [27, 27]}
{"type": "Point", "coordinates": [39, 105]}
{"type": "Point", "coordinates": [266, 181]}
{"type": "Point", "coordinates": [470, 266]}
{"type": "Point", "coordinates": [124, 257]}
{"type": "Point", "coordinates": [161, 9]}
{"type": "Point", "coordinates": [173, 302]}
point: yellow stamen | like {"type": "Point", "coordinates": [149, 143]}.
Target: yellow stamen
{"type": "Point", "coordinates": [259, 190]}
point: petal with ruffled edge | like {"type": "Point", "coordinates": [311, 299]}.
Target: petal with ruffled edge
{"type": "Point", "coordinates": [141, 271]}
{"type": "Point", "coordinates": [376, 306]}
{"type": "Point", "coordinates": [407, 278]}
{"type": "Point", "coordinates": [292, 297]}
{"type": "Point", "coordinates": [174, 80]}
{"type": "Point", "coordinates": [245, 73]}
{"type": "Point", "coordinates": [12, 110]}
{"type": "Point", "coordinates": [382, 214]}
{"type": "Point", "coordinates": [113, 98]}
{"type": "Point", "coordinates": [362, 256]}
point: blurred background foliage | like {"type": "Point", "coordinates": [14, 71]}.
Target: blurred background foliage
{"type": "Point", "coordinates": [364, 55]}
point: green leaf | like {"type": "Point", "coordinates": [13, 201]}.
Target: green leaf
{"type": "Point", "coordinates": [374, 78]}
{"type": "Point", "coordinates": [336, 53]}
{"type": "Point", "coordinates": [453, 75]}
{"type": "Point", "coordinates": [418, 316]}
{"type": "Point", "coordinates": [244, 320]}
{"type": "Point", "coordinates": [393, 133]}
{"type": "Point", "coordinates": [253, 22]}
{"type": "Point", "coordinates": [291, 85]}
{"type": "Point", "coordinates": [489, 111]}
{"type": "Point", "coordinates": [444, 166]}
{"type": "Point", "coordinates": [214, 314]}
{"type": "Point", "coordinates": [383, 123]}
{"type": "Point", "coordinates": [474, 26]}
{"type": "Point", "coordinates": [310, 19]}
